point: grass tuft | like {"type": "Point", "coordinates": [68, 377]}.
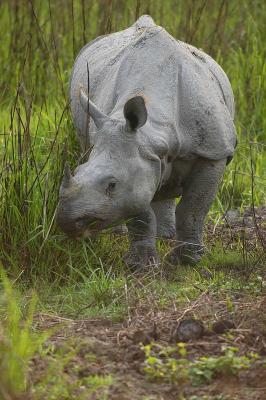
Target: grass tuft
{"type": "Point", "coordinates": [18, 341]}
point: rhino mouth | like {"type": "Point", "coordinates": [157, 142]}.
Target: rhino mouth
{"type": "Point", "coordinates": [87, 227]}
{"type": "Point", "coordinates": [77, 228]}
{"type": "Point", "coordinates": [115, 227]}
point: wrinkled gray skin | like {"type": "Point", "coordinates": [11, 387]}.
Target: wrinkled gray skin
{"type": "Point", "coordinates": [161, 127]}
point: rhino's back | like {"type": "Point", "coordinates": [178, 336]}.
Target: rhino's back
{"type": "Point", "coordinates": [188, 95]}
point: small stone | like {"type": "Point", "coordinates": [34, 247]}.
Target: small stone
{"type": "Point", "coordinates": [188, 329]}
{"type": "Point", "coordinates": [232, 217]}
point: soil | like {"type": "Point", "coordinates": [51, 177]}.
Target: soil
{"type": "Point", "coordinates": [117, 350]}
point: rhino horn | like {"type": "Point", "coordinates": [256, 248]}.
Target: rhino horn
{"type": "Point", "coordinates": [89, 107]}
{"type": "Point", "coordinates": [67, 178]}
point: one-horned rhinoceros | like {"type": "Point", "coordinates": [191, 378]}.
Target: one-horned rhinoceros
{"type": "Point", "coordinates": [162, 127]}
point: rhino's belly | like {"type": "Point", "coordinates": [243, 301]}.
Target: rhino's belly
{"type": "Point", "coordinates": [173, 187]}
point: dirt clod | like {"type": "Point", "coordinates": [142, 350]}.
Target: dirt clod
{"type": "Point", "coordinates": [145, 336]}
{"type": "Point", "coordinates": [223, 325]}
{"type": "Point", "coordinates": [188, 329]}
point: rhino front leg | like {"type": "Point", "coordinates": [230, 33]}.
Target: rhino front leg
{"type": "Point", "coordinates": [142, 235]}
{"type": "Point", "coordinates": [165, 217]}
{"type": "Point", "coordinates": [198, 194]}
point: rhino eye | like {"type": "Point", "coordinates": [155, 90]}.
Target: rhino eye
{"type": "Point", "coordinates": [110, 188]}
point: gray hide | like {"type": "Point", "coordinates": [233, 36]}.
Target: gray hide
{"type": "Point", "coordinates": [162, 126]}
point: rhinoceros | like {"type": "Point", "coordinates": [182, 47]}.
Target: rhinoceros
{"type": "Point", "coordinates": [161, 127]}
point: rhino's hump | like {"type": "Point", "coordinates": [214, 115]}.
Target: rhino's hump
{"type": "Point", "coordinates": [188, 95]}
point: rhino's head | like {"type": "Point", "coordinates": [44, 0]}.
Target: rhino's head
{"type": "Point", "coordinates": [120, 177]}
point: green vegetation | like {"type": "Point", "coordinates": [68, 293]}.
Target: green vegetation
{"type": "Point", "coordinates": [63, 377]}
{"type": "Point", "coordinates": [160, 364]}
{"type": "Point", "coordinates": [49, 273]}
{"type": "Point", "coordinates": [39, 41]}
{"type": "Point", "coordinates": [66, 368]}
{"type": "Point", "coordinates": [18, 342]}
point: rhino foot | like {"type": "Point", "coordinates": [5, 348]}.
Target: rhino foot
{"type": "Point", "coordinates": [186, 254]}
{"type": "Point", "coordinates": [139, 257]}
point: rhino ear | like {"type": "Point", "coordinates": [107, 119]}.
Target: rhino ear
{"type": "Point", "coordinates": [135, 113]}
{"type": "Point", "coordinates": [88, 106]}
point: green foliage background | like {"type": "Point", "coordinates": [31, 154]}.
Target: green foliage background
{"type": "Point", "coordinates": [39, 40]}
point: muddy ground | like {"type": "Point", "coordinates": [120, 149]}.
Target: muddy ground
{"type": "Point", "coordinates": [102, 347]}
{"type": "Point", "coordinates": [118, 352]}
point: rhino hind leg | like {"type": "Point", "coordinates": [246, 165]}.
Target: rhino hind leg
{"type": "Point", "coordinates": [198, 194]}
{"type": "Point", "coordinates": [142, 236]}
{"type": "Point", "coordinates": [165, 217]}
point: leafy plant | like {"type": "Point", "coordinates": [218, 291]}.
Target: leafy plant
{"type": "Point", "coordinates": [65, 378]}
{"type": "Point", "coordinates": [161, 365]}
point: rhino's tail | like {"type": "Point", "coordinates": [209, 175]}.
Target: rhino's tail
{"type": "Point", "coordinates": [145, 21]}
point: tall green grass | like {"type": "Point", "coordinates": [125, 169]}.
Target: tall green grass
{"type": "Point", "coordinates": [18, 341]}
{"type": "Point", "coordinates": [39, 41]}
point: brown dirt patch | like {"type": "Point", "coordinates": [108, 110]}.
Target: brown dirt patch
{"type": "Point", "coordinates": [101, 347]}
{"type": "Point", "coordinates": [117, 352]}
